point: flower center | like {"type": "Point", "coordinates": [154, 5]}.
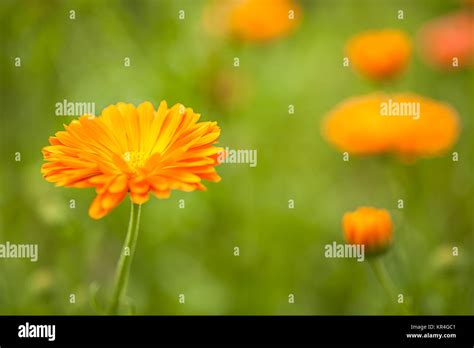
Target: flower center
{"type": "Point", "coordinates": [135, 160]}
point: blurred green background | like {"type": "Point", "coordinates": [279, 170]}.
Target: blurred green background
{"type": "Point", "coordinates": [190, 251]}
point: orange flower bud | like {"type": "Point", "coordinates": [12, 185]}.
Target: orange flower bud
{"type": "Point", "coordinates": [368, 226]}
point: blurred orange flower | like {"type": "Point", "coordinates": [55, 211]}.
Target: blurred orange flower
{"type": "Point", "coordinates": [380, 54]}
{"type": "Point", "coordinates": [448, 38]}
{"type": "Point", "coordinates": [368, 226]}
{"type": "Point", "coordinates": [134, 150]}
{"type": "Point", "coordinates": [404, 124]}
{"type": "Point", "coordinates": [252, 20]}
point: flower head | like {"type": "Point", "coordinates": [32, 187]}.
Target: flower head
{"type": "Point", "coordinates": [380, 54]}
{"type": "Point", "coordinates": [448, 38]}
{"type": "Point", "coordinates": [252, 20]}
{"type": "Point", "coordinates": [368, 226]}
{"type": "Point", "coordinates": [134, 150]}
{"type": "Point", "coordinates": [405, 124]}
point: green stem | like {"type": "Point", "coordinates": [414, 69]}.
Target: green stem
{"type": "Point", "coordinates": [125, 260]}
{"type": "Point", "coordinates": [383, 277]}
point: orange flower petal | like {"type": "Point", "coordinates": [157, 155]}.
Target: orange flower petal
{"type": "Point", "coordinates": [139, 198]}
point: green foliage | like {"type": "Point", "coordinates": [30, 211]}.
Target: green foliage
{"type": "Point", "coordinates": [191, 251]}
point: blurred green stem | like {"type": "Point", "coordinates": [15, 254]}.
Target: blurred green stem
{"type": "Point", "coordinates": [126, 256]}
{"type": "Point", "coordinates": [383, 277]}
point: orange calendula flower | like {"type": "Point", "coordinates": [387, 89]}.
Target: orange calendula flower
{"type": "Point", "coordinates": [448, 41]}
{"type": "Point", "coordinates": [380, 54]}
{"type": "Point", "coordinates": [134, 150]}
{"type": "Point", "coordinates": [404, 124]}
{"type": "Point", "coordinates": [368, 226]}
{"type": "Point", "coordinates": [252, 20]}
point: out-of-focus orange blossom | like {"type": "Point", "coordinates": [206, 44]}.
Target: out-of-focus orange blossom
{"type": "Point", "coordinates": [379, 54]}
{"type": "Point", "coordinates": [252, 20]}
{"type": "Point", "coordinates": [358, 125]}
{"type": "Point", "coordinates": [448, 42]}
